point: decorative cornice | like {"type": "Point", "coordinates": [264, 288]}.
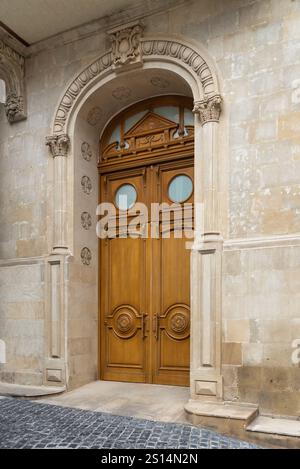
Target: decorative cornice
{"type": "Point", "coordinates": [209, 109]}
{"type": "Point", "coordinates": [58, 144]}
{"type": "Point", "coordinates": [11, 54]}
{"type": "Point", "coordinates": [12, 66]}
{"type": "Point", "coordinates": [126, 44]}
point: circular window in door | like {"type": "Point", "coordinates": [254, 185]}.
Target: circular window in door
{"type": "Point", "coordinates": [180, 188]}
{"type": "Point", "coordinates": [125, 197]}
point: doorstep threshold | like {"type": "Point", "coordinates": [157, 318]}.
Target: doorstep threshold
{"type": "Point", "coordinates": [20, 390]}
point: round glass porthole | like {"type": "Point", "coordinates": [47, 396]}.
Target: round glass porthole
{"type": "Point", "coordinates": [125, 197]}
{"type": "Point", "coordinates": [180, 188]}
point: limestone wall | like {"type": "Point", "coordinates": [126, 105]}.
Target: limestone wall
{"type": "Point", "coordinates": [255, 46]}
{"type": "Point", "coordinates": [22, 322]}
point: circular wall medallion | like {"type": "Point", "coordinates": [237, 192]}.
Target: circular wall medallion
{"type": "Point", "coordinates": [86, 151]}
{"type": "Point", "coordinates": [86, 185]}
{"type": "Point", "coordinates": [94, 116]}
{"type": "Point", "coordinates": [86, 220]}
{"type": "Point", "coordinates": [160, 82]}
{"type": "Point", "coordinates": [121, 93]}
{"type": "Point", "coordinates": [180, 188]}
{"type": "Point", "coordinates": [86, 256]}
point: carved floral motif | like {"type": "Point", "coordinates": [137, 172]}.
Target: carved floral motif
{"type": "Point", "coordinates": [86, 151]}
{"type": "Point", "coordinates": [160, 82]}
{"type": "Point", "coordinates": [86, 220]}
{"type": "Point", "coordinates": [94, 116]}
{"type": "Point", "coordinates": [86, 185]}
{"type": "Point", "coordinates": [86, 256]}
{"type": "Point", "coordinates": [121, 93]}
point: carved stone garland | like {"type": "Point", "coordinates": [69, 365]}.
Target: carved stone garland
{"type": "Point", "coordinates": [12, 71]}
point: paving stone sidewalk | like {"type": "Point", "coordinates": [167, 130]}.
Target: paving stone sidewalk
{"type": "Point", "coordinates": [27, 424]}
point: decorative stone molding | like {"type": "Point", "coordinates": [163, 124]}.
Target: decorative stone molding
{"type": "Point", "coordinates": [58, 144]}
{"type": "Point", "coordinates": [14, 107]}
{"type": "Point", "coordinates": [12, 71]}
{"type": "Point", "coordinates": [94, 116]}
{"type": "Point", "coordinates": [122, 93]}
{"type": "Point", "coordinates": [209, 110]}
{"type": "Point", "coordinates": [168, 50]}
{"type": "Point", "coordinates": [86, 256]}
{"type": "Point", "coordinates": [160, 83]}
{"type": "Point", "coordinates": [86, 220]}
{"type": "Point", "coordinates": [86, 185]}
{"type": "Point", "coordinates": [86, 151]}
{"type": "Point", "coordinates": [126, 44]}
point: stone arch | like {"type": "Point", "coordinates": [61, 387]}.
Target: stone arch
{"type": "Point", "coordinates": [12, 71]}
{"type": "Point", "coordinates": [202, 76]}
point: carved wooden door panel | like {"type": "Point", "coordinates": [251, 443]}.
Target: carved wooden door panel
{"type": "Point", "coordinates": [123, 286]}
{"type": "Point", "coordinates": [171, 278]}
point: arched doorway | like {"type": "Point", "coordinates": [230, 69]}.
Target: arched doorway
{"type": "Point", "coordinates": [146, 157]}
{"type": "Point", "coordinates": [99, 92]}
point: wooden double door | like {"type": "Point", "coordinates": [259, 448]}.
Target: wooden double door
{"type": "Point", "coordinates": [145, 277]}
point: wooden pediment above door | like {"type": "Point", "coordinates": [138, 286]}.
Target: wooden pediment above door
{"type": "Point", "coordinates": [150, 123]}
{"type": "Point", "coordinates": [155, 128]}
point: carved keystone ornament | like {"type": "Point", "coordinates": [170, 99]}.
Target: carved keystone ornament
{"type": "Point", "coordinates": [126, 48]}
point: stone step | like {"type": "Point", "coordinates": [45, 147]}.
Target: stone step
{"type": "Point", "coordinates": [278, 426]}
{"type": "Point", "coordinates": [18, 390]}
{"type": "Point", "coordinates": [245, 413]}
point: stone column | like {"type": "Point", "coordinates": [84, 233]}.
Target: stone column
{"type": "Point", "coordinates": [206, 259]}
{"type": "Point", "coordinates": [59, 147]}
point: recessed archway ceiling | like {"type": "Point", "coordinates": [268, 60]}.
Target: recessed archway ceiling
{"type": "Point", "coordinates": [128, 89]}
{"type": "Point", "coordinates": [35, 20]}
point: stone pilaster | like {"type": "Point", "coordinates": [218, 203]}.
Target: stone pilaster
{"type": "Point", "coordinates": [206, 258]}
{"type": "Point", "coordinates": [59, 147]}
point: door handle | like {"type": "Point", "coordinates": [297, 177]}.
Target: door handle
{"type": "Point", "coordinates": [143, 328]}
{"type": "Point", "coordinates": [156, 325]}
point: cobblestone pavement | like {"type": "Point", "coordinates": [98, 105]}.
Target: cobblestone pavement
{"type": "Point", "coordinates": [27, 424]}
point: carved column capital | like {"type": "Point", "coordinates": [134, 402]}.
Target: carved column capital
{"type": "Point", "coordinates": [126, 44]}
{"type": "Point", "coordinates": [59, 144]}
{"type": "Point", "coordinates": [209, 109]}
